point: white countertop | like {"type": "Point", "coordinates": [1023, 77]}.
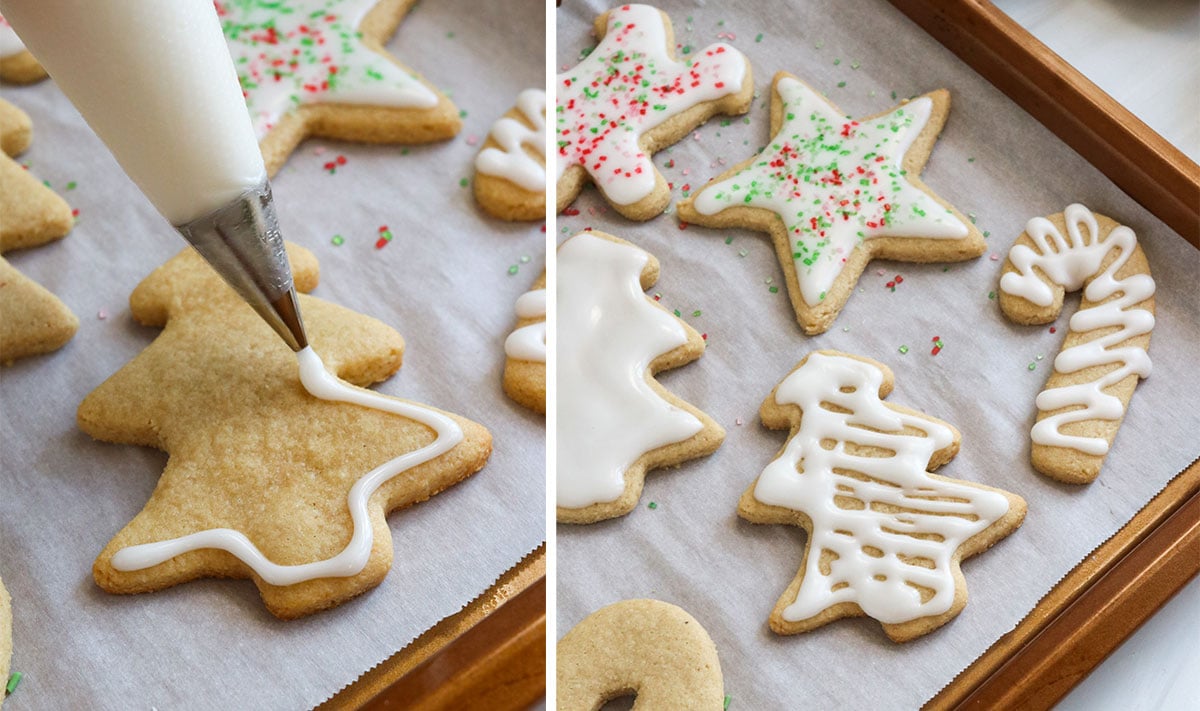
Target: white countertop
{"type": "Point", "coordinates": [1147, 56]}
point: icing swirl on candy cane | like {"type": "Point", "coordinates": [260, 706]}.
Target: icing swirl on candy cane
{"type": "Point", "coordinates": [881, 564]}
{"type": "Point", "coordinates": [510, 161]}
{"type": "Point", "coordinates": [296, 52]}
{"type": "Point", "coordinates": [626, 87]}
{"type": "Point", "coordinates": [1070, 261]}
{"type": "Point", "coordinates": [321, 384]}
{"type": "Point", "coordinates": [529, 342]}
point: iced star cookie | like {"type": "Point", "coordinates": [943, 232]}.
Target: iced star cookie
{"type": "Point", "coordinates": [885, 536]}
{"type": "Point", "coordinates": [32, 320]}
{"type": "Point", "coordinates": [510, 170]}
{"type": "Point", "coordinates": [1104, 354]}
{"type": "Point", "coordinates": [645, 647]}
{"type": "Point", "coordinates": [17, 65]}
{"type": "Point", "coordinates": [615, 421]}
{"type": "Point", "coordinates": [525, 350]}
{"type": "Point", "coordinates": [278, 471]}
{"type": "Point", "coordinates": [835, 193]}
{"type": "Point", "coordinates": [630, 98]}
{"type": "Point", "coordinates": [318, 68]}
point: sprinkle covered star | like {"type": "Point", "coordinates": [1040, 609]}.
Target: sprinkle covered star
{"type": "Point", "coordinates": [834, 192]}
{"type": "Point", "coordinates": [299, 60]}
{"type": "Point", "coordinates": [629, 98]}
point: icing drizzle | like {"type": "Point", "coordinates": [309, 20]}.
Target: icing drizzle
{"type": "Point", "coordinates": [295, 52]}
{"type": "Point", "coordinates": [880, 564]}
{"type": "Point", "coordinates": [10, 44]}
{"type": "Point", "coordinates": [835, 182]}
{"type": "Point", "coordinates": [529, 342]}
{"type": "Point", "coordinates": [510, 161]}
{"type": "Point", "coordinates": [627, 86]}
{"type": "Point", "coordinates": [608, 333]}
{"type": "Point", "coordinates": [321, 384]}
{"type": "Point", "coordinates": [1070, 261]}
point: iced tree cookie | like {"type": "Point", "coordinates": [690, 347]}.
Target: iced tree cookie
{"type": "Point", "coordinates": [279, 471]}
{"type": "Point", "coordinates": [525, 350]}
{"type": "Point", "coordinates": [318, 68]}
{"type": "Point", "coordinates": [32, 320]}
{"type": "Point", "coordinates": [835, 193]}
{"type": "Point", "coordinates": [885, 536]}
{"type": "Point", "coordinates": [648, 648]}
{"type": "Point", "coordinates": [1104, 353]}
{"type": "Point", "coordinates": [17, 65]}
{"type": "Point", "coordinates": [630, 98]}
{"type": "Point", "coordinates": [615, 421]}
{"type": "Point", "coordinates": [510, 170]}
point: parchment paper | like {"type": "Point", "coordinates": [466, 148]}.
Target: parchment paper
{"type": "Point", "coordinates": [443, 282]}
{"type": "Point", "coordinates": [994, 162]}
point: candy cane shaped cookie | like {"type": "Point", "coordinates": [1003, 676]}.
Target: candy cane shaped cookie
{"type": "Point", "coordinates": [649, 648]}
{"type": "Point", "coordinates": [1104, 354]}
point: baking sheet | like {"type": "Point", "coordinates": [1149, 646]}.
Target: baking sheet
{"type": "Point", "coordinates": [997, 165]}
{"type": "Point", "coordinates": [443, 282]}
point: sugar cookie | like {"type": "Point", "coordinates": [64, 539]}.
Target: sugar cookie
{"type": "Point", "coordinates": [615, 421]}
{"type": "Point", "coordinates": [652, 649]}
{"type": "Point", "coordinates": [17, 65]}
{"type": "Point", "coordinates": [1085, 398]}
{"type": "Point", "coordinates": [835, 193]}
{"type": "Point", "coordinates": [885, 537]}
{"type": "Point", "coordinates": [510, 170]}
{"type": "Point", "coordinates": [525, 350]}
{"type": "Point", "coordinates": [630, 98]}
{"type": "Point", "coordinates": [265, 480]}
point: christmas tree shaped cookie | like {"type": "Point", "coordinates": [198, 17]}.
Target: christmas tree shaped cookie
{"type": "Point", "coordinates": [835, 193]}
{"type": "Point", "coordinates": [630, 98]}
{"type": "Point", "coordinates": [510, 170]}
{"type": "Point", "coordinates": [318, 68]}
{"type": "Point", "coordinates": [614, 420]}
{"type": "Point", "coordinates": [32, 320]}
{"type": "Point", "coordinates": [885, 536]}
{"type": "Point", "coordinates": [277, 472]}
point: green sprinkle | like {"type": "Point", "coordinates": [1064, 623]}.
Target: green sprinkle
{"type": "Point", "coordinates": [841, 85]}
{"type": "Point", "coordinates": [71, 185]}
{"type": "Point", "coordinates": [524, 259]}
{"type": "Point", "coordinates": [855, 65]}
{"type": "Point", "coordinates": [677, 313]}
{"type": "Point", "coordinates": [986, 234]}
{"type": "Point", "coordinates": [773, 289]}
{"type": "Point", "coordinates": [13, 681]}
{"type": "Point", "coordinates": [728, 698]}
{"type": "Point", "coordinates": [742, 252]}
{"type": "Point", "coordinates": [845, 329]}
{"type": "Point", "coordinates": [651, 505]}
{"type": "Point", "coordinates": [687, 49]}
{"type": "Point", "coordinates": [837, 62]}
{"type": "Point", "coordinates": [462, 113]}
{"type": "Point", "coordinates": [696, 313]}
{"type": "Point", "coordinates": [513, 269]}
{"type": "Point", "coordinates": [819, 45]}
{"type": "Point", "coordinates": [1039, 357]}
{"type": "Point", "coordinates": [338, 240]}
{"type": "Point", "coordinates": [893, 96]}
{"type": "Point", "coordinates": [971, 216]}
{"type": "Point", "coordinates": [903, 350]}
{"type": "Point", "coordinates": [1032, 365]}
{"type": "Point", "coordinates": [971, 159]}
{"type": "Point", "coordinates": [449, 35]}
{"type": "Point", "coordinates": [757, 39]}
{"type": "Point", "coordinates": [728, 240]}
{"type": "Point", "coordinates": [463, 183]}
{"type": "Point", "coordinates": [992, 295]}
{"type": "Point", "coordinates": [47, 183]}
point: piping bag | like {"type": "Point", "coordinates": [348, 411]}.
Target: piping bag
{"type": "Point", "coordinates": [155, 81]}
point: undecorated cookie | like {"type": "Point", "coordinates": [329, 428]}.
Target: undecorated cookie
{"type": "Point", "coordinates": [510, 170]}
{"type": "Point", "coordinates": [615, 421]}
{"type": "Point", "coordinates": [630, 98]}
{"type": "Point", "coordinates": [17, 65]}
{"type": "Point", "coordinates": [885, 536]}
{"type": "Point", "coordinates": [648, 648]}
{"type": "Point", "coordinates": [32, 320]}
{"type": "Point", "coordinates": [835, 193]}
{"type": "Point", "coordinates": [277, 473]}
{"type": "Point", "coordinates": [1105, 351]}
{"type": "Point", "coordinates": [318, 68]}
{"type": "Point", "coordinates": [525, 350]}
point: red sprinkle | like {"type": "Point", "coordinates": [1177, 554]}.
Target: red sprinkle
{"type": "Point", "coordinates": [682, 225]}
{"type": "Point", "coordinates": [1053, 329]}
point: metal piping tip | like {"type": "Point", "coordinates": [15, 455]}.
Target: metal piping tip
{"type": "Point", "coordinates": [242, 242]}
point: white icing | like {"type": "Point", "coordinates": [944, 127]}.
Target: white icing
{"type": "Point", "coordinates": [1070, 261]}
{"type": "Point", "coordinates": [608, 333]}
{"type": "Point", "coordinates": [323, 385]}
{"type": "Point", "coordinates": [510, 161]}
{"type": "Point", "coordinates": [529, 342]}
{"type": "Point", "coordinates": [835, 182]}
{"type": "Point", "coordinates": [10, 44]}
{"type": "Point", "coordinates": [807, 477]}
{"type": "Point", "coordinates": [627, 86]}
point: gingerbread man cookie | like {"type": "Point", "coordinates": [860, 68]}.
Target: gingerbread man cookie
{"type": "Point", "coordinates": [835, 193]}
{"type": "Point", "coordinates": [279, 471]}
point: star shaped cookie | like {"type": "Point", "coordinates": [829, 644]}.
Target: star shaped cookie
{"type": "Point", "coordinates": [32, 320]}
{"type": "Point", "coordinates": [268, 478]}
{"type": "Point", "coordinates": [318, 68]}
{"type": "Point", "coordinates": [629, 98]}
{"type": "Point", "coordinates": [835, 192]}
